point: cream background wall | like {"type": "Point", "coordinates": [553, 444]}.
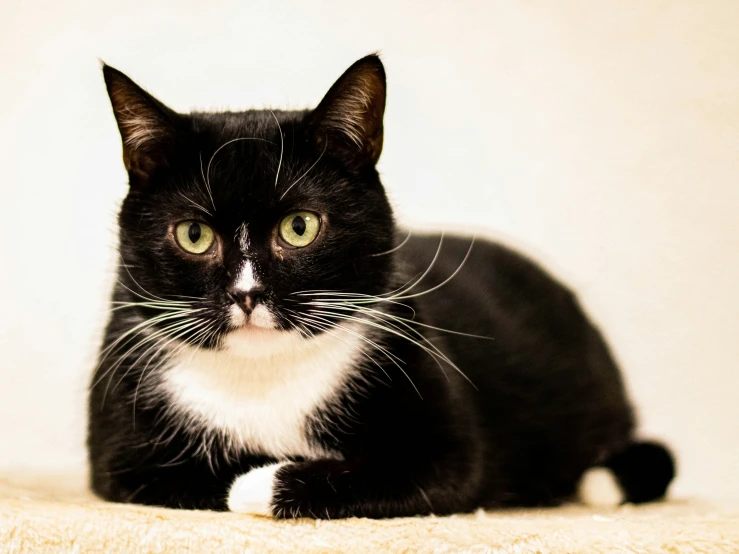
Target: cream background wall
{"type": "Point", "coordinates": [601, 137]}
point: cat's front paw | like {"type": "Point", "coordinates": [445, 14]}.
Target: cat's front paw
{"type": "Point", "coordinates": [254, 492]}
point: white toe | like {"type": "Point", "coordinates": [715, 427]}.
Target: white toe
{"type": "Point", "coordinates": [599, 488]}
{"type": "Point", "coordinates": [252, 492]}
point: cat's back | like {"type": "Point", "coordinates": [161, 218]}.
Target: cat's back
{"type": "Point", "coordinates": [529, 320]}
{"type": "Point", "coordinates": [472, 282]}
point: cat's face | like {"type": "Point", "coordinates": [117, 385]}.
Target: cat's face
{"type": "Point", "coordinates": [243, 217]}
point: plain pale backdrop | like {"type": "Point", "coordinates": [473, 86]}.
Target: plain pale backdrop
{"type": "Point", "coordinates": [600, 137]}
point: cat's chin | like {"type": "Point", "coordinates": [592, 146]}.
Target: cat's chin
{"type": "Point", "coordinates": [250, 341]}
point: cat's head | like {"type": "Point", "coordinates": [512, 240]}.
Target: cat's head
{"type": "Point", "coordinates": [236, 220]}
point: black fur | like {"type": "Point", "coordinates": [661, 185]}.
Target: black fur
{"type": "Point", "coordinates": [540, 401]}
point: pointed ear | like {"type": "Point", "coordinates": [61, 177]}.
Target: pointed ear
{"type": "Point", "coordinates": [147, 127]}
{"type": "Point", "coordinates": [348, 121]}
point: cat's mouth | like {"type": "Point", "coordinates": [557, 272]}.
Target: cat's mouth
{"type": "Point", "coordinates": [260, 318]}
{"type": "Point", "coordinates": [257, 335]}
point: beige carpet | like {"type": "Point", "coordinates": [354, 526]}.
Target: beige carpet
{"type": "Point", "coordinates": [45, 514]}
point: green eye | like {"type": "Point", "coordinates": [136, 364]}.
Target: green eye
{"type": "Point", "coordinates": [194, 237]}
{"type": "Point", "coordinates": [299, 229]}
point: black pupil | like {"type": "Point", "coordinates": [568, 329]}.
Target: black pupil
{"type": "Point", "coordinates": [299, 225]}
{"type": "Point", "coordinates": [194, 233]}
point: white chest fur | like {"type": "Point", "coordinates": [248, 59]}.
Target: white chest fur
{"type": "Point", "coordinates": [261, 404]}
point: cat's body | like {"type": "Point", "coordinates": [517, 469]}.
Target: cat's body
{"type": "Point", "coordinates": [377, 376]}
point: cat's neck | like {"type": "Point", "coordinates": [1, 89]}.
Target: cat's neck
{"type": "Point", "coordinates": [261, 403]}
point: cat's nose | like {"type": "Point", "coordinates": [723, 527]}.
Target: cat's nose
{"type": "Point", "coordinates": [247, 300]}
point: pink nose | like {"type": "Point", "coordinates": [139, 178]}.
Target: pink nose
{"type": "Point", "coordinates": [246, 300]}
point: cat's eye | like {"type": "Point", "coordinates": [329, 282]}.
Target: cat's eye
{"type": "Point", "coordinates": [194, 237]}
{"type": "Point", "coordinates": [299, 229]}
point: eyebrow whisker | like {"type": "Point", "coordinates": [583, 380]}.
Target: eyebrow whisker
{"type": "Point", "coordinates": [306, 172]}
{"type": "Point", "coordinates": [282, 147]}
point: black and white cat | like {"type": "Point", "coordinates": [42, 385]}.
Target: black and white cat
{"type": "Point", "coordinates": [278, 346]}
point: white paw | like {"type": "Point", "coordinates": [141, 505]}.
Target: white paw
{"type": "Point", "coordinates": [252, 492]}
{"type": "Point", "coordinates": [599, 488]}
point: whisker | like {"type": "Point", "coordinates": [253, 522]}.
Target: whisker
{"type": "Point", "coordinates": [432, 349]}
{"type": "Point", "coordinates": [166, 358]}
{"type": "Point", "coordinates": [428, 269]}
{"type": "Point", "coordinates": [143, 337]}
{"type": "Point", "coordinates": [195, 203]}
{"type": "Point", "coordinates": [356, 299]}
{"type": "Point", "coordinates": [403, 289]}
{"type": "Point", "coordinates": [152, 297]}
{"type": "Point", "coordinates": [205, 180]}
{"type": "Point", "coordinates": [393, 358]}
{"type": "Point", "coordinates": [401, 245]}
{"type": "Point", "coordinates": [158, 337]}
{"type": "Point", "coordinates": [403, 295]}
{"type": "Point", "coordinates": [306, 172]}
{"type": "Point", "coordinates": [141, 328]}
{"type": "Point", "coordinates": [221, 147]}
{"type": "Point", "coordinates": [330, 330]}
{"type": "Point", "coordinates": [353, 307]}
{"type": "Point", "coordinates": [282, 148]}
{"type": "Point", "coordinates": [445, 281]}
{"type": "Point", "coordinates": [389, 327]}
{"type": "Point", "coordinates": [162, 306]}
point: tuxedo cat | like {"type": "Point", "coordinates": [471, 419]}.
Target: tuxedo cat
{"type": "Point", "coordinates": [277, 345]}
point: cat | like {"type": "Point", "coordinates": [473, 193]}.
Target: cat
{"type": "Point", "coordinates": [279, 345]}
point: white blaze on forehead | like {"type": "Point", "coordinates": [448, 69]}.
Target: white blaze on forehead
{"type": "Point", "coordinates": [246, 279]}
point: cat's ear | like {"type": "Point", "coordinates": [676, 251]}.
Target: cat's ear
{"type": "Point", "coordinates": [148, 127]}
{"type": "Point", "coordinates": [348, 121]}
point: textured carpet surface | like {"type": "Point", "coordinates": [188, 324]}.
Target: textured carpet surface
{"type": "Point", "coordinates": [57, 514]}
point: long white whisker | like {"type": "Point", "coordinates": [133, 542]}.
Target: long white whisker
{"type": "Point", "coordinates": [195, 203]}
{"type": "Point", "coordinates": [428, 269]}
{"type": "Point", "coordinates": [358, 300]}
{"type": "Point", "coordinates": [445, 281]}
{"type": "Point", "coordinates": [205, 181]}
{"type": "Point", "coordinates": [349, 307]}
{"type": "Point", "coordinates": [403, 295]}
{"type": "Point", "coordinates": [306, 172]}
{"type": "Point", "coordinates": [401, 245]}
{"type": "Point", "coordinates": [164, 333]}
{"type": "Point", "coordinates": [158, 338]}
{"type": "Point", "coordinates": [433, 350]}
{"type": "Point", "coordinates": [167, 357]}
{"type": "Point", "coordinates": [151, 296]}
{"type": "Point", "coordinates": [140, 327]}
{"type": "Point", "coordinates": [154, 298]}
{"type": "Point", "coordinates": [119, 305]}
{"type": "Point", "coordinates": [282, 148]}
{"type": "Point", "coordinates": [391, 327]}
{"type": "Point", "coordinates": [393, 358]}
{"type": "Point", "coordinates": [326, 328]}
{"type": "Point", "coordinates": [378, 315]}
{"type": "Point", "coordinates": [148, 338]}
{"type": "Point", "coordinates": [221, 147]}
{"type": "Point", "coordinates": [405, 289]}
